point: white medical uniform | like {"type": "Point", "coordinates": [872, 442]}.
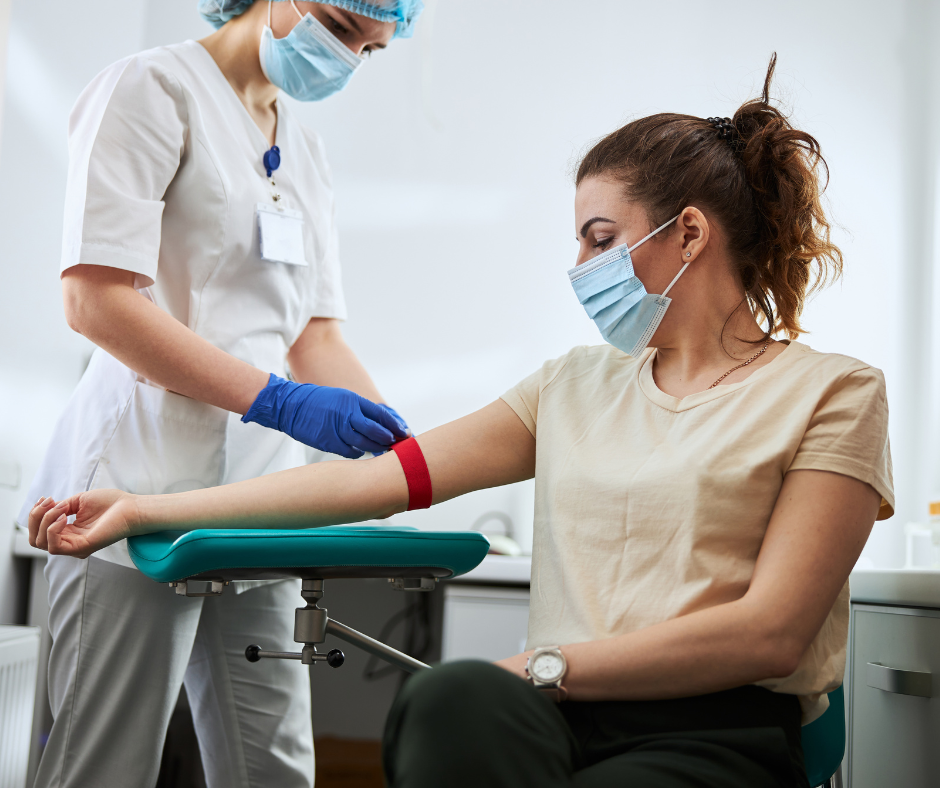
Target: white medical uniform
{"type": "Point", "coordinates": [165, 174]}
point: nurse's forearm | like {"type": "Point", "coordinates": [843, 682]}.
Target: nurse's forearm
{"type": "Point", "coordinates": [321, 356]}
{"type": "Point", "coordinates": [102, 305]}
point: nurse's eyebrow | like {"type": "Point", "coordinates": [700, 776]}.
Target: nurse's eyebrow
{"type": "Point", "coordinates": [589, 222]}
{"type": "Point", "coordinates": [350, 20]}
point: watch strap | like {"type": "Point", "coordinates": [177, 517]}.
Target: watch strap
{"type": "Point", "coordinates": [557, 694]}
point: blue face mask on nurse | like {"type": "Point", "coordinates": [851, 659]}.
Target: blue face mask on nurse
{"type": "Point", "coordinates": [309, 63]}
{"type": "Point", "coordinates": [321, 52]}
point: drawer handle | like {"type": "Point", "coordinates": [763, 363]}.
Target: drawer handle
{"type": "Point", "coordinates": [900, 682]}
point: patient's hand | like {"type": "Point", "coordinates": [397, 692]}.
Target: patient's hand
{"type": "Point", "coordinates": [102, 517]}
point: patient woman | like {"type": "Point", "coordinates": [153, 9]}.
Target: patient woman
{"type": "Point", "coordinates": [702, 489]}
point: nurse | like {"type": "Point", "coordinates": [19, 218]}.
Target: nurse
{"type": "Point", "coordinates": [200, 254]}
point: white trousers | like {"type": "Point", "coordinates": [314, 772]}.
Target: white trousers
{"type": "Point", "coordinates": [123, 644]}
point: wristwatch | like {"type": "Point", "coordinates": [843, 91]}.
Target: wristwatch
{"type": "Point", "coordinates": [546, 670]}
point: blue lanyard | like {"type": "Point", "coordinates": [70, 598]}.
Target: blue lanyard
{"type": "Point", "coordinates": [271, 159]}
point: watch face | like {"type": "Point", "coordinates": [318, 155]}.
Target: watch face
{"type": "Point", "coordinates": [547, 667]}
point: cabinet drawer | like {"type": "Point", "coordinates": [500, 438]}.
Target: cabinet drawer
{"type": "Point", "coordinates": [893, 736]}
{"type": "Point", "coordinates": [484, 622]}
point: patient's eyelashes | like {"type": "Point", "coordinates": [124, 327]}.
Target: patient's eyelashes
{"type": "Point", "coordinates": [602, 243]}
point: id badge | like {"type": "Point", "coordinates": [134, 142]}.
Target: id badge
{"type": "Point", "coordinates": [281, 232]}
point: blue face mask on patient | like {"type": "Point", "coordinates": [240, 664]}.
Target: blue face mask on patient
{"type": "Point", "coordinates": [617, 301]}
{"type": "Point", "coordinates": [309, 63]}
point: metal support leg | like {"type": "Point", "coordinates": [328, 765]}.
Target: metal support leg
{"type": "Point", "coordinates": [312, 625]}
{"type": "Point", "coordinates": [374, 647]}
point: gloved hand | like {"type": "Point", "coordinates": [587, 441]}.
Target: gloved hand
{"type": "Point", "coordinates": [394, 412]}
{"type": "Point", "coordinates": [330, 419]}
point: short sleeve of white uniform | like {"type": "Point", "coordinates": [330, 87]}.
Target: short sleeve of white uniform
{"type": "Point", "coordinates": [126, 135]}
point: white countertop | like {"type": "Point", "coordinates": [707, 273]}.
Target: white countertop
{"type": "Point", "coordinates": [916, 587]}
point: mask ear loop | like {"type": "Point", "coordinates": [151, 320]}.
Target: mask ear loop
{"type": "Point", "coordinates": [681, 271]}
{"type": "Point", "coordinates": [644, 240]}
{"type": "Point", "coordinates": [661, 227]}
{"type": "Point", "coordinates": [293, 5]}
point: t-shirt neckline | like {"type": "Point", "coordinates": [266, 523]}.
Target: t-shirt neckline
{"type": "Point", "coordinates": [678, 404]}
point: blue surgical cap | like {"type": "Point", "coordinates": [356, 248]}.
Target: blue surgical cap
{"type": "Point", "coordinates": [404, 13]}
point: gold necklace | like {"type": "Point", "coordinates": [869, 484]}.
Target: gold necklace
{"type": "Point", "coordinates": [756, 356]}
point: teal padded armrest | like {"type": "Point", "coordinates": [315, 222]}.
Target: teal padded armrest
{"type": "Point", "coordinates": [328, 552]}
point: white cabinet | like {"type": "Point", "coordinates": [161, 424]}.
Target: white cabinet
{"type": "Point", "coordinates": [894, 697]}
{"type": "Point", "coordinates": [484, 622]}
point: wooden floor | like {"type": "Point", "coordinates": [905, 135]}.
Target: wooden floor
{"type": "Point", "coordinates": [348, 763]}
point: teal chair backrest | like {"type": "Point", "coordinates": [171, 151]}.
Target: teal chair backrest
{"type": "Point", "coordinates": [824, 741]}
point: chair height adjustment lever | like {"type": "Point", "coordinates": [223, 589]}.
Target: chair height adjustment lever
{"type": "Point", "coordinates": [334, 658]}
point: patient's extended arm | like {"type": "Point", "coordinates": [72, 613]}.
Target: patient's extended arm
{"type": "Point", "coordinates": [488, 448]}
{"type": "Point", "coordinates": [817, 530]}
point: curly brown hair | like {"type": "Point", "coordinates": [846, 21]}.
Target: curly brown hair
{"type": "Point", "coordinates": [765, 192]}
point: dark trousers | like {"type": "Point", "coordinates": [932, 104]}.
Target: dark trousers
{"type": "Point", "coordinates": [474, 724]}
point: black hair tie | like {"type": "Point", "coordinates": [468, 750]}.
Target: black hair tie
{"type": "Point", "coordinates": [727, 132]}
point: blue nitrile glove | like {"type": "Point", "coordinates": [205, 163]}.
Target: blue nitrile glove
{"type": "Point", "coordinates": [332, 420]}
{"type": "Point", "coordinates": [404, 423]}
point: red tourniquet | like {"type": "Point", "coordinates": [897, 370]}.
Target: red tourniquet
{"type": "Point", "coordinates": [416, 473]}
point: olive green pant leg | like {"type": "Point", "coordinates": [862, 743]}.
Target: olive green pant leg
{"type": "Point", "coordinates": [472, 724]}
{"type": "Point", "coordinates": [682, 763]}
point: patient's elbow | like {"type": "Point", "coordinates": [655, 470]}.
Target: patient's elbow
{"type": "Point", "coordinates": [779, 653]}
{"type": "Point", "coordinates": [784, 661]}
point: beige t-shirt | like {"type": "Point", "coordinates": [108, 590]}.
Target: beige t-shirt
{"type": "Point", "coordinates": [649, 507]}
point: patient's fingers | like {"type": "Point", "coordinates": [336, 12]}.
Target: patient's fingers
{"type": "Point", "coordinates": [56, 544]}
{"type": "Point", "coordinates": [52, 514]}
{"type": "Point", "coordinates": [52, 532]}
{"type": "Point", "coordinates": [32, 524]}
{"type": "Point", "coordinates": [35, 517]}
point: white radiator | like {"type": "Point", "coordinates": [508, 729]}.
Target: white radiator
{"type": "Point", "coordinates": [19, 658]}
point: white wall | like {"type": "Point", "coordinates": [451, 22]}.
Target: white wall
{"type": "Point", "coordinates": [451, 154]}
